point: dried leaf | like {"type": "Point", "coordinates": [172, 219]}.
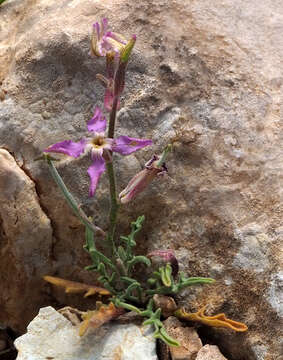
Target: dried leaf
{"type": "Point", "coordinates": [94, 319]}
{"type": "Point", "coordinates": [218, 320]}
{"type": "Point", "coordinates": [72, 287]}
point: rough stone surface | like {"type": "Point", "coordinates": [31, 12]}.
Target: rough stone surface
{"type": "Point", "coordinates": [51, 336]}
{"type": "Point", "coordinates": [210, 352]}
{"type": "Point", "coordinates": [25, 245]}
{"type": "Point", "coordinates": [207, 74]}
{"type": "Point", "coordinates": [188, 338]}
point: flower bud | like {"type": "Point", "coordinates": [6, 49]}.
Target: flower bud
{"type": "Point", "coordinates": [122, 67]}
{"type": "Point", "coordinates": [165, 257]}
{"type": "Point", "coordinates": [141, 180]}
{"type": "Point", "coordinates": [105, 42]}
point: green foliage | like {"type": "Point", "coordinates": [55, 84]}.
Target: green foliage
{"type": "Point", "coordinates": [162, 281]}
{"type": "Point", "coordinates": [153, 318]}
{"type": "Point", "coordinates": [116, 274]}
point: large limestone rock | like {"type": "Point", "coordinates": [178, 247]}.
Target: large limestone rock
{"type": "Point", "coordinates": [51, 336]}
{"type": "Point", "coordinates": [207, 74]}
{"type": "Point", "coordinates": [25, 245]}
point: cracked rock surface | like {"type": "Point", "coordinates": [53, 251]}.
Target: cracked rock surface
{"type": "Point", "coordinates": [204, 74]}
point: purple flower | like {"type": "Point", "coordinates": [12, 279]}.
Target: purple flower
{"type": "Point", "coordinates": [99, 146]}
{"type": "Point", "coordinates": [104, 41]}
{"type": "Point", "coordinates": [141, 180]}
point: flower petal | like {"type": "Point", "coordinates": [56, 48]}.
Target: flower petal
{"type": "Point", "coordinates": [126, 145]}
{"type": "Point", "coordinates": [104, 25]}
{"type": "Point", "coordinates": [96, 28]}
{"type": "Point", "coordinates": [98, 122]}
{"type": "Point", "coordinates": [68, 147]}
{"type": "Point", "coordinates": [95, 170]}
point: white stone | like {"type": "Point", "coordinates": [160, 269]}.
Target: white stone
{"type": "Point", "coordinates": [275, 293]}
{"type": "Point", "coordinates": [51, 335]}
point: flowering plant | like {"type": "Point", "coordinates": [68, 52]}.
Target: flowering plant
{"type": "Point", "coordinates": [116, 268]}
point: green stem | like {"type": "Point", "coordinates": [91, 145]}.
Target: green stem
{"type": "Point", "coordinates": [113, 207]}
{"type": "Point", "coordinates": [70, 199]}
{"type": "Point", "coordinates": [164, 155]}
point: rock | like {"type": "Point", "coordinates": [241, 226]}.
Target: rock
{"type": "Point", "coordinates": [275, 293]}
{"type": "Point", "coordinates": [188, 338]}
{"type": "Point", "coordinates": [51, 336]}
{"type": "Point", "coordinates": [204, 74]}
{"type": "Point", "coordinates": [71, 314]}
{"type": "Point", "coordinates": [166, 303]}
{"type": "Point", "coordinates": [210, 352]}
{"type": "Point", "coordinates": [25, 244]}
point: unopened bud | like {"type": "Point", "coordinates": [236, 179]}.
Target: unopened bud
{"type": "Point", "coordinates": [141, 180]}
{"type": "Point", "coordinates": [165, 257]}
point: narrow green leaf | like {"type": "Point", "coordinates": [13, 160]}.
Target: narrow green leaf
{"type": "Point", "coordinates": [122, 254]}
{"type": "Point", "coordinates": [128, 280]}
{"type": "Point", "coordinates": [138, 259]}
{"type": "Point", "coordinates": [162, 335]}
{"type": "Point", "coordinates": [165, 273]}
{"type": "Point", "coordinates": [70, 199]}
{"type": "Point", "coordinates": [194, 281]}
{"type": "Point", "coordinates": [124, 305]}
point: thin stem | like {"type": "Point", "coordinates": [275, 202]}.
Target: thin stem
{"type": "Point", "coordinates": [114, 205]}
{"type": "Point", "coordinates": [112, 118]}
{"type": "Point", "coordinates": [164, 155]}
{"type": "Point", "coordinates": [112, 182]}
{"type": "Point", "coordinates": [70, 199]}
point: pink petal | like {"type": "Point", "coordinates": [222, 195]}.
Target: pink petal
{"type": "Point", "coordinates": [116, 37]}
{"type": "Point", "coordinates": [98, 122]}
{"type": "Point", "coordinates": [96, 27]}
{"type": "Point", "coordinates": [95, 170]}
{"type": "Point", "coordinates": [126, 145]}
{"type": "Point", "coordinates": [136, 185]}
{"type": "Point", "coordinates": [68, 147]}
{"type": "Point", "coordinates": [104, 25]}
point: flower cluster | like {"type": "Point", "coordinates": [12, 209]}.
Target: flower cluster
{"type": "Point", "coordinates": [117, 50]}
